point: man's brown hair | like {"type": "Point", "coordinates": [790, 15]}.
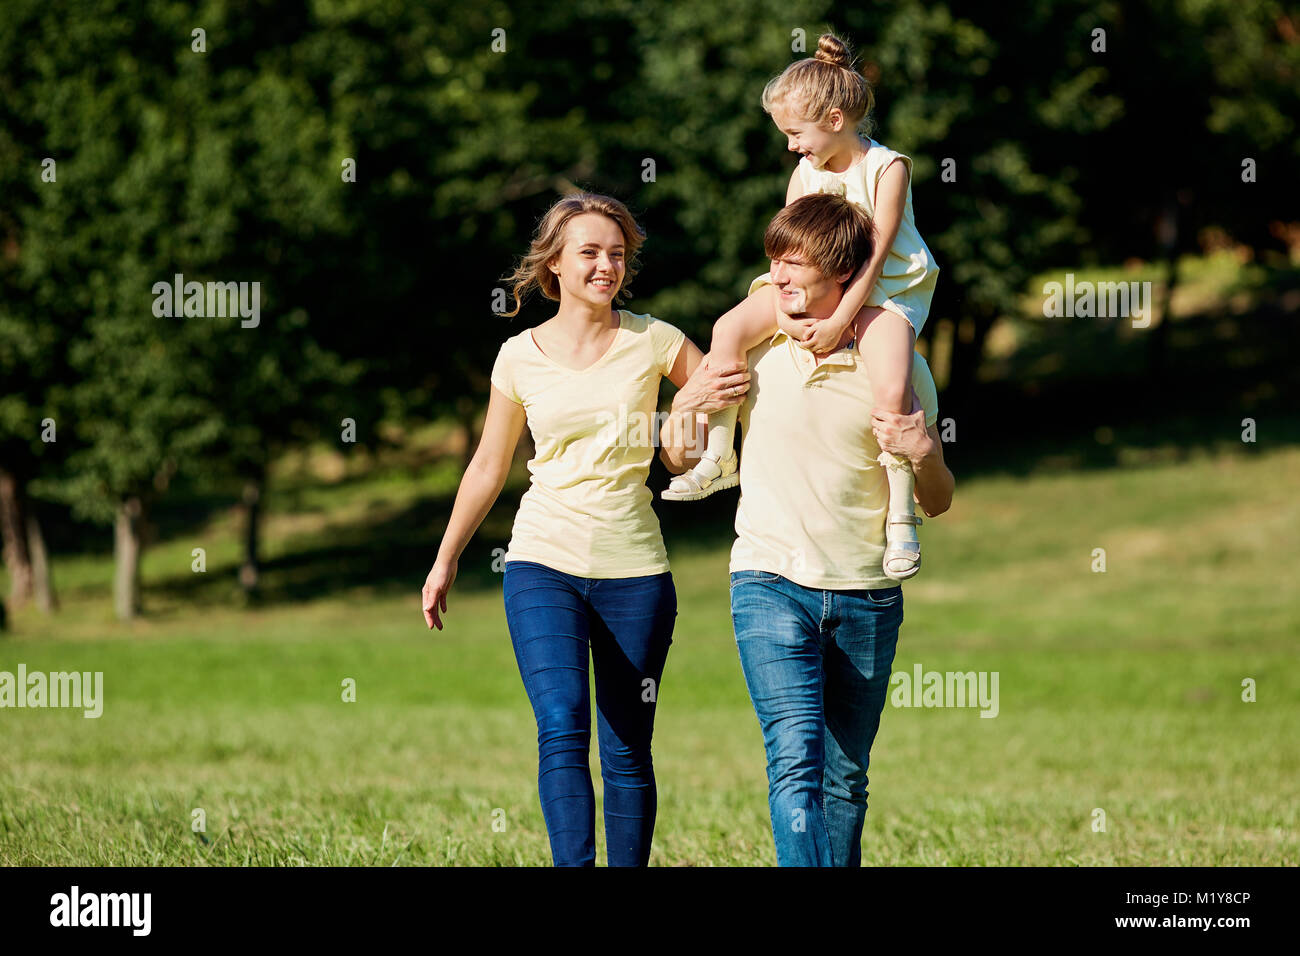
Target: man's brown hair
{"type": "Point", "coordinates": [823, 230]}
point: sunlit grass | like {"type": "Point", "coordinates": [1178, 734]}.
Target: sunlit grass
{"type": "Point", "coordinates": [1120, 692]}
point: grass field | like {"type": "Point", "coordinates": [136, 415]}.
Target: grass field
{"type": "Point", "coordinates": [1119, 691]}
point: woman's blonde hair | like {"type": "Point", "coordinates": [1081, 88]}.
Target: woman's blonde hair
{"type": "Point", "coordinates": [828, 80]}
{"type": "Point", "coordinates": [548, 241]}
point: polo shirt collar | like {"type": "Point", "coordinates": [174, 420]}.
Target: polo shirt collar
{"type": "Point", "coordinates": [845, 356]}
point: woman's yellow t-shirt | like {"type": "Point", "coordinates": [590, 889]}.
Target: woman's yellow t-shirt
{"type": "Point", "coordinates": [587, 508]}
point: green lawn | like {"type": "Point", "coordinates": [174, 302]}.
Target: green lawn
{"type": "Point", "coordinates": [1119, 691]}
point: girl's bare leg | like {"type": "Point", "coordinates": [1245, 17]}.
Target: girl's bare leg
{"type": "Point", "coordinates": [888, 342]}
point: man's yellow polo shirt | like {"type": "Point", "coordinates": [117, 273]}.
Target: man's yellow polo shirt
{"type": "Point", "coordinates": [813, 498]}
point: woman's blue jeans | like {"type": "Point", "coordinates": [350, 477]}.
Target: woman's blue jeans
{"type": "Point", "coordinates": [817, 665]}
{"type": "Point", "coordinates": [626, 624]}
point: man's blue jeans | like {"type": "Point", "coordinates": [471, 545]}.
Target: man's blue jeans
{"type": "Point", "coordinates": [817, 665]}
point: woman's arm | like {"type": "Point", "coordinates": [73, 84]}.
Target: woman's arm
{"type": "Point", "coordinates": [479, 488]}
{"type": "Point", "coordinates": [683, 430]}
{"type": "Point", "coordinates": [891, 200]}
{"type": "Point", "coordinates": [701, 389]}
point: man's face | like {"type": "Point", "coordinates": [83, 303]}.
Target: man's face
{"type": "Point", "coordinates": [803, 291]}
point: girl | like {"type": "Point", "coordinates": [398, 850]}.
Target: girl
{"type": "Point", "coordinates": [820, 103]}
{"type": "Point", "coordinates": [585, 572]}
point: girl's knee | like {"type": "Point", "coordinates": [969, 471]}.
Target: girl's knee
{"type": "Point", "coordinates": [892, 392]}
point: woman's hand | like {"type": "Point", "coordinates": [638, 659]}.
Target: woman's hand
{"type": "Point", "coordinates": [711, 389]}
{"type": "Point", "coordinates": [436, 586]}
{"type": "Point", "coordinates": [904, 435]}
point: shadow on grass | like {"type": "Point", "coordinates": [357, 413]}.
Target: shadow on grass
{"type": "Point", "coordinates": [392, 556]}
{"type": "Point", "coordinates": [1088, 393]}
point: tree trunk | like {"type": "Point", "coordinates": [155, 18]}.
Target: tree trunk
{"type": "Point", "coordinates": [1167, 225]}
{"type": "Point", "coordinates": [250, 569]}
{"type": "Point", "coordinates": [13, 526]}
{"type": "Point", "coordinates": [967, 353]}
{"type": "Point", "coordinates": [127, 545]}
{"type": "Point", "coordinates": [466, 414]}
{"type": "Point", "coordinates": [42, 581]}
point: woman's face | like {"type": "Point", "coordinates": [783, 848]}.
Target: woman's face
{"type": "Point", "coordinates": [590, 265]}
{"type": "Point", "coordinates": [807, 138]}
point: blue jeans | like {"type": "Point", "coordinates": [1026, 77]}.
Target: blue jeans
{"type": "Point", "coordinates": [817, 665]}
{"type": "Point", "coordinates": [628, 624]}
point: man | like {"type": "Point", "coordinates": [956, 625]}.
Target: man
{"type": "Point", "coordinates": [816, 621]}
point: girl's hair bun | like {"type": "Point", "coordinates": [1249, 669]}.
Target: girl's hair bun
{"type": "Point", "coordinates": [827, 80]}
{"type": "Point", "coordinates": [831, 49]}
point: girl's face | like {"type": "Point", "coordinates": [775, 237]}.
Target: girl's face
{"type": "Point", "coordinates": [590, 265]}
{"type": "Point", "coordinates": [807, 138]}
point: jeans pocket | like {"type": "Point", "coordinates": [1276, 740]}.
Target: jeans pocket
{"type": "Point", "coordinates": [741, 577]}
{"type": "Point", "coordinates": [885, 597]}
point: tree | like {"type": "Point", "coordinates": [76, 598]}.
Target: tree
{"type": "Point", "coordinates": [169, 166]}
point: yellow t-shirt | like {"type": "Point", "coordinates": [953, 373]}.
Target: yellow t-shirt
{"type": "Point", "coordinates": [587, 508]}
{"type": "Point", "coordinates": [909, 274]}
{"type": "Point", "coordinates": [813, 498]}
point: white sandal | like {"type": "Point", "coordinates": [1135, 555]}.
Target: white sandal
{"type": "Point", "coordinates": [704, 479]}
{"type": "Point", "coordinates": [902, 558]}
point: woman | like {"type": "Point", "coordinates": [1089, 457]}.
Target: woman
{"type": "Point", "coordinates": [586, 571]}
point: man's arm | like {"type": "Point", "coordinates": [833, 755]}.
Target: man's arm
{"type": "Point", "coordinates": [907, 435]}
{"type": "Point", "coordinates": [934, 480]}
